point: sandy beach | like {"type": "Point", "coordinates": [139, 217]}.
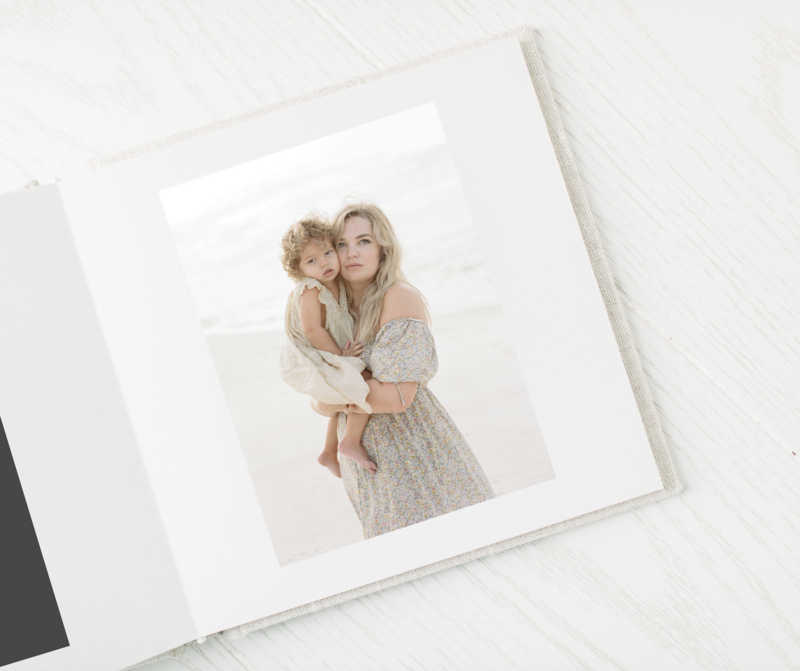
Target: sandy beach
{"type": "Point", "coordinates": [306, 509]}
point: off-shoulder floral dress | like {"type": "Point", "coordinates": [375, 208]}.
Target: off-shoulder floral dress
{"type": "Point", "coordinates": [425, 467]}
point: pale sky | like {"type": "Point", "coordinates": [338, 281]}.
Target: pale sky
{"type": "Point", "coordinates": [228, 225]}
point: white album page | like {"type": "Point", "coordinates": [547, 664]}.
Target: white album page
{"type": "Point", "coordinates": [180, 250]}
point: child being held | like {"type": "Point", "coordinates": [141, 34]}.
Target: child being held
{"type": "Point", "coordinates": [318, 358]}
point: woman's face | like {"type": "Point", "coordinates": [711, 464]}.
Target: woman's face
{"type": "Point", "coordinates": [359, 253]}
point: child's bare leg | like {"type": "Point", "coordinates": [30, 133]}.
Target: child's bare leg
{"type": "Point", "coordinates": [350, 445]}
{"type": "Point", "coordinates": [329, 457]}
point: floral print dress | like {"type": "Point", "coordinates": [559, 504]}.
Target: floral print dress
{"type": "Point", "coordinates": [425, 467]}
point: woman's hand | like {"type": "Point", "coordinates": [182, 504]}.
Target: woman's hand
{"type": "Point", "coordinates": [353, 409]}
{"type": "Point", "coordinates": [353, 350]}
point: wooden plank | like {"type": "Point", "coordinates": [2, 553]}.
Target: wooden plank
{"type": "Point", "coordinates": [684, 123]}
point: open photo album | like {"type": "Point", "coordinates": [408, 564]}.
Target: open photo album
{"type": "Point", "coordinates": [295, 357]}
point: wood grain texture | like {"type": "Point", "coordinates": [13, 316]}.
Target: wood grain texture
{"type": "Point", "coordinates": [685, 123]}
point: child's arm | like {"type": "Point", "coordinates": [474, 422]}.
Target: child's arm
{"type": "Point", "coordinates": [311, 322]}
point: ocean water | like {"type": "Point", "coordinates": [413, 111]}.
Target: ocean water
{"type": "Point", "coordinates": [227, 226]}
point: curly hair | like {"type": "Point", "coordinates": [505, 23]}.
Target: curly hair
{"type": "Point", "coordinates": [300, 233]}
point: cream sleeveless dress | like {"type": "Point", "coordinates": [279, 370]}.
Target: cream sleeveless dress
{"type": "Point", "coordinates": [327, 377]}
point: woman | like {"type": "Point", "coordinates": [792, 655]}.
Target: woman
{"type": "Point", "coordinates": [425, 467]}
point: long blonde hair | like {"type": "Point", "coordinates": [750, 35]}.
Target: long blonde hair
{"type": "Point", "coordinates": [390, 270]}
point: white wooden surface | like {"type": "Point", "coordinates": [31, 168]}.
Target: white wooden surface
{"type": "Point", "coordinates": [685, 121]}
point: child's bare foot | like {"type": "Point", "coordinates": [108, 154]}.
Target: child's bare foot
{"type": "Point", "coordinates": [351, 447]}
{"type": "Point", "coordinates": [331, 462]}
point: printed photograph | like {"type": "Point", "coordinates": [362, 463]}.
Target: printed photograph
{"type": "Point", "coordinates": [357, 334]}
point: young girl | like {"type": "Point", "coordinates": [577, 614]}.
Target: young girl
{"type": "Point", "coordinates": [318, 358]}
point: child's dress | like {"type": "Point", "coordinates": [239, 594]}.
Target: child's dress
{"type": "Point", "coordinates": [324, 376]}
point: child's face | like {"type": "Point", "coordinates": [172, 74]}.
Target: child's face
{"type": "Point", "coordinates": [319, 261]}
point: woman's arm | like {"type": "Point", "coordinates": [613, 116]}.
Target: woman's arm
{"type": "Point", "coordinates": [311, 321]}
{"type": "Point", "coordinates": [384, 397]}
{"type": "Point", "coordinates": [400, 301]}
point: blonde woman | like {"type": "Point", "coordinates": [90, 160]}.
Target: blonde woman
{"type": "Point", "coordinates": [425, 467]}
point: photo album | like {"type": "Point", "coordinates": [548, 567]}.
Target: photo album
{"type": "Point", "coordinates": [299, 356]}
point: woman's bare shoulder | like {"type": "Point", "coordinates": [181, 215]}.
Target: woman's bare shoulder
{"type": "Point", "coordinates": [403, 300]}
